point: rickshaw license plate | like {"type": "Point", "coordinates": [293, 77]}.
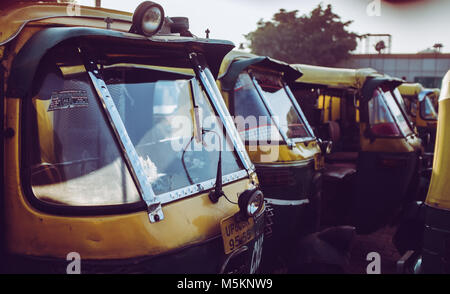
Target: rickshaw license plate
{"type": "Point", "coordinates": [236, 233]}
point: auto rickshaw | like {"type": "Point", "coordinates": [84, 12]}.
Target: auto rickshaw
{"type": "Point", "coordinates": [373, 168]}
{"type": "Point", "coordinates": [288, 160]}
{"type": "Point", "coordinates": [433, 256]}
{"type": "Point", "coordinates": [419, 106]}
{"type": "Point", "coordinates": [105, 155]}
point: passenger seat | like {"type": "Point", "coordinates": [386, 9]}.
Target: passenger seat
{"type": "Point", "coordinates": [334, 132]}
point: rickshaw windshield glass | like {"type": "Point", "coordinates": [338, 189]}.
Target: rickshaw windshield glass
{"type": "Point", "coordinates": [400, 100]}
{"type": "Point", "coordinates": [398, 114]}
{"type": "Point", "coordinates": [156, 108]}
{"type": "Point", "coordinates": [281, 106]}
{"type": "Point", "coordinates": [381, 120]}
{"type": "Point", "coordinates": [253, 120]}
{"type": "Point", "coordinates": [75, 158]}
{"type": "Point", "coordinates": [427, 109]}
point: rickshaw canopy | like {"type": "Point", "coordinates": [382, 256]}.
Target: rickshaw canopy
{"type": "Point", "coordinates": [236, 61]}
{"type": "Point", "coordinates": [27, 61]}
{"type": "Point", "coordinates": [334, 77]}
{"type": "Point", "coordinates": [410, 89]}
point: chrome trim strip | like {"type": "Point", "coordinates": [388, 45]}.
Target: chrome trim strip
{"type": "Point", "coordinates": [301, 163]}
{"type": "Point", "coordinates": [286, 202]}
{"type": "Point", "coordinates": [132, 158]}
{"type": "Point", "coordinates": [200, 187]}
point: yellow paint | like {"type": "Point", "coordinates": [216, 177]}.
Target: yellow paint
{"type": "Point", "coordinates": [15, 15]}
{"type": "Point", "coordinates": [439, 191]}
{"type": "Point", "coordinates": [282, 153]}
{"type": "Point", "coordinates": [334, 77]}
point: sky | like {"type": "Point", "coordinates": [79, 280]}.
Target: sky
{"type": "Point", "coordinates": [414, 25]}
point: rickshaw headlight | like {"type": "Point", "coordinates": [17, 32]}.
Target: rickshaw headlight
{"type": "Point", "coordinates": [148, 18]}
{"type": "Point", "coordinates": [251, 202]}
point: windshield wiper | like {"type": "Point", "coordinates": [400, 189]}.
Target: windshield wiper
{"type": "Point", "coordinates": [215, 194]}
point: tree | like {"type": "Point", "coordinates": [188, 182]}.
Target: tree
{"type": "Point", "coordinates": [380, 46]}
{"type": "Point", "coordinates": [319, 38]}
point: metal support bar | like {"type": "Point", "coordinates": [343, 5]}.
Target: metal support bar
{"type": "Point", "coordinates": [132, 158]}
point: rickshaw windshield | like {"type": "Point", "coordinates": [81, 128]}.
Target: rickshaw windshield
{"type": "Point", "coordinates": [156, 108]}
{"type": "Point", "coordinates": [78, 161]}
{"type": "Point", "coordinates": [399, 117]}
{"type": "Point", "coordinates": [381, 119]}
{"type": "Point", "coordinates": [427, 109]}
{"type": "Point", "coordinates": [400, 100]}
{"type": "Point", "coordinates": [271, 99]}
{"type": "Point", "coordinates": [252, 118]}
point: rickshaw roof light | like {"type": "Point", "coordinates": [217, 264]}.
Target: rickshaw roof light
{"type": "Point", "coordinates": [148, 19]}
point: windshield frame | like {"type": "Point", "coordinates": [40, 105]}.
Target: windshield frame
{"type": "Point", "coordinates": [426, 102]}
{"type": "Point", "coordinates": [199, 68]}
{"type": "Point", "coordinates": [400, 109]}
{"type": "Point", "coordinates": [397, 97]}
{"type": "Point", "coordinates": [296, 106]}
{"type": "Point", "coordinates": [149, 200]}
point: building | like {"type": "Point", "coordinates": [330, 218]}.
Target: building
{"type": "Point", "coordinates": [427, 68]}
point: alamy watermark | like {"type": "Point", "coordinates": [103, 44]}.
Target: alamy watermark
{"type": "Point", "coordinates": [73, 9]}
{"type": "Point", "coordinates": [374, 8]}
{"type": "Point", "coordinates": [74, 265]}
{"type": "Point", "coordinates": [259, 134]}
{"type": "Point", "coordinates": [374, 267]}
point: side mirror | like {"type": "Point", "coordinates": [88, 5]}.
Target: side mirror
{"type": "Point", "coordinates": [325, 146]}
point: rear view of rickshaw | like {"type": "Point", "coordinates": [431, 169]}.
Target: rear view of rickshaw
{"type": "Point", "coordinates": [419, 106]}
{"type": "Point", "coordinates": [433, 256]}
{"type": "Point", "coordinates": [106, 157]}
{"type": "Point", "coordinates": [373, 168]}
{"type": "Point", "coordinates": [436, 242]}
{"type": "Point", "coordinates": [287, 157]}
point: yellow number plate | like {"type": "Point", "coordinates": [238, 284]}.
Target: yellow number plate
{"type": "Point", "coordinates": [319, 161]}
{"type": "Point", "coordinates": [235, 234]}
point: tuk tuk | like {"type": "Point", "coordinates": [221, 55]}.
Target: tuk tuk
{"type": "Point", "coordinates": [373, 168]}
{"type": "Point", "coordinates": [104, 153]}
{"type": "Point", "coordinates": [419, 106]}
{"type": "Point", "coordinates": [287, 156]}
{"type": "Point", "coordinates": [433, 255]}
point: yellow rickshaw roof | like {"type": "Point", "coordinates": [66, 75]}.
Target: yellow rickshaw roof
{"type": "Point", "coordinates": [445, 90]}
{"type": "Point", "coordinates": [334, 77]}
{"type": "Point", "coordinates": [15, 16]}
{"type": "Point", "coordinates": [230, 57]}
{"type": "Point", "coordinates": [410, 89]}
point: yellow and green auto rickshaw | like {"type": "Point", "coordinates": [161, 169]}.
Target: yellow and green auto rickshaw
{"type": "Point", "coordinates": [434, 255]}
{"type": "Point", "coordinates": [419, 106]}
{"type": "Point", "coordinates": [287, 156]}
{"type": "Point", "coordinates": [436, 243]}
{"type": "Point", "coordinates": [104, 154]}
{"type": "Point", "coordinates": [374, 166]}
